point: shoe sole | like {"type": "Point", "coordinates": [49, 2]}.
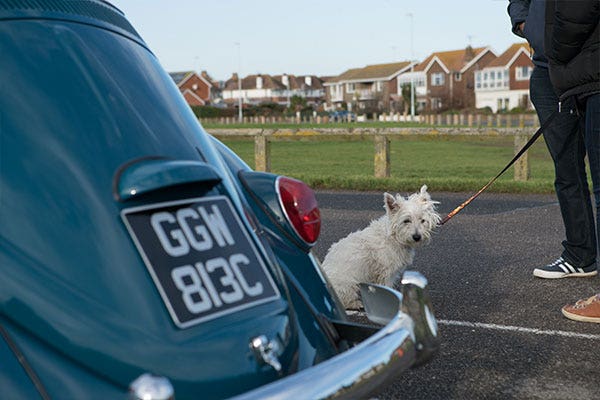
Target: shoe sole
{"type": "Point", "coordinates": [581, 318]}
{"type": "Point", "coordinates": [557, 275]}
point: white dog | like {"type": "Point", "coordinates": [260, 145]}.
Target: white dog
{"type": "Point", "coordinates": [382, 251]}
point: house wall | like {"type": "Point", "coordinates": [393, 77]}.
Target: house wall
{"type": "Point", "coordinates": [438, 92]}
{"type": "Point", "coordinates": [490, 98]}
{"type": "Point", "coordinates": [465, 95]}
{"type": "Point", "coordinates": [192, 100]}
{"type": "Point", "coordinates": [521, 61]}
{"type": "Point", "coordinates": [198, 86]}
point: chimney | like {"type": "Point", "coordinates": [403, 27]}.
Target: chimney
{"type": "Point", "coordinates": [469, 53]}
{"type": "Point", "coordinates": [234, 76]}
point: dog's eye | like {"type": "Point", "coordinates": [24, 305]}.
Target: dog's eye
{"type": "Point", "coordinates": [407, 221]}
{"type": "Point", "coordinates": [422, 221]}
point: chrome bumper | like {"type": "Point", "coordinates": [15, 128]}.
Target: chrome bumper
{"type": "Point", "coordinates": [366, 367]}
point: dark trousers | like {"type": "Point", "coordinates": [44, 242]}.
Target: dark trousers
{"type": "Point", "coordinates": [591, 110]}
{"type": "Point", "coordinates": [565, 140]}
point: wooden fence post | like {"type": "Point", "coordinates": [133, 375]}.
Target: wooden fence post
{"type": "Point", "coordinates": [522, 167]}
{"type": "Point", "coordinates": [382, 156]}
{"type": "Point", "coordinates": [262, 153]}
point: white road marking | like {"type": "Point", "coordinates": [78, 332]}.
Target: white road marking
{"type": "Point", "coordinates": [519, 329]}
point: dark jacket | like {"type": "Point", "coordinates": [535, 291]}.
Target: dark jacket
{"type": "Point", "coordinates": [572, 46]}
{"type": "Point", "coordinates": [532, 13]}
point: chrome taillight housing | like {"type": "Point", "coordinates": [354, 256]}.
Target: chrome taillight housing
{"type": "Point", "coordinates": [299, 204]}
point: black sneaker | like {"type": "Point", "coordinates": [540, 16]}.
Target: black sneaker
{"type": "Point", "coordinates": [563, 269]}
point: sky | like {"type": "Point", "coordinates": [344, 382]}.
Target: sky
{"type": "Point", "coordinates": [311, 37]}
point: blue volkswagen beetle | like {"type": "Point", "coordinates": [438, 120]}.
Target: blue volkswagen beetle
{"type": "Point", "coordinates": [141, 258]}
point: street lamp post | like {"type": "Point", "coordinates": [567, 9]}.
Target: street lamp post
{"type": "Point", "coordinates": [412, 70]}
{"type": "Point", "coordinates": [240, 112]}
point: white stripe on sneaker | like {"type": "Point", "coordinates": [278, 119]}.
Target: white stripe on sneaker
{"type": "Point", "coordinates": [569, 266]}
{"type": "Point", "coordinates": [564, 268]}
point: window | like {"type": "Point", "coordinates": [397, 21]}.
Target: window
{"type": "Point", "coordinates": [491, 78]}
{"type": "Point", "coordinates": [350, 87]}
{"type": "Point", "coordinates": [437, 79]}
{"type": "Point", "coordinates": [523, 73]}
{"type": "Point", "coordinates": [457, 76]}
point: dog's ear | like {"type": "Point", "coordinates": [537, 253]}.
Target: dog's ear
{"type": "Point", "coordinates": [423, 194]}
{"type": "Point", "coordinates": [425, 197]}
{"type": "Point", "coordinates": [389, 203]}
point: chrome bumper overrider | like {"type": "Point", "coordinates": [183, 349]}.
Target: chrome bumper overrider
{"type": "Point", "coordinates": [409, 336]}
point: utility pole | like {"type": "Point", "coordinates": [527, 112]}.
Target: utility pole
{"type": "Point", "coordinates": [240, 112]}
{"type": "Point", "coordinates": [412, 70]}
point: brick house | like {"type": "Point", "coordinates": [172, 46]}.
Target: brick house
{"type": "Point", "coordinates": [504, 83]}
{"type": "Point", "coordinates": [196, 89]}
{"type": "Point", "coordinates": [450, 77]}
{"type": "Point", "coordinates": [373, 88]}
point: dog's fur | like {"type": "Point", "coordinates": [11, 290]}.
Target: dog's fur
{"type": "Point", "coordinates": [382, 251]}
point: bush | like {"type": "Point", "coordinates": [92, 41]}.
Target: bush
{"type": "Point", "coordinates": [213, 112]}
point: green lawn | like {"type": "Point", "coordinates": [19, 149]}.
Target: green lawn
{"type": "Point", "coordinates": [444, 163]}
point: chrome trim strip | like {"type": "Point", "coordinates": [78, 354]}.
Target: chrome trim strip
{"type": "Point", "coordinates": [355, 373]}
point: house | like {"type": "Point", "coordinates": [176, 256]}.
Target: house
{"type": "Point", "coordinates": [255, 89]}
{"type": "Point", "coordinates": [372, 88]}
{"type": "Point", "coordinates": [309, 87]}
{"type": "Point", "coordinates": [263, 88]}
{"type": "Point", "coordinates": [418, 79]}
{"type": "Point", "coordinates": [449, 77]}
{"type": "Point", "coordinates": [504, 83]}
{"type": "Point", "coordinates": [196, 89]}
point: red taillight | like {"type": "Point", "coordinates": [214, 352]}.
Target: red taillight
{"type": "Point", "coordinates": [300, 207]}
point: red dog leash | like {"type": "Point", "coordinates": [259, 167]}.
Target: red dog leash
{"type": "Point", "coordinates": [516, 157]}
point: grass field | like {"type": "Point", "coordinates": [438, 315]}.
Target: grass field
{"type": "Point", "coordinates": [444, 163]}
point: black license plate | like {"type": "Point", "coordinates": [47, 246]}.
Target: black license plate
{"type": "Point", "coordinates": [200, 257]}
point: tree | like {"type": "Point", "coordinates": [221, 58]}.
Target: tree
{"type": "Point", "coordinates": [297, 103]}
{"type": "Point", "coordinates": [406, 97]}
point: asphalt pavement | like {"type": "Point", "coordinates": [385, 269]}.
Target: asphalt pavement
{"type": "Point", "coordinates": [503, 336]}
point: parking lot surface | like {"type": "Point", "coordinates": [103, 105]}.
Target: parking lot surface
{"type": "Point", "coordinates": [503, 336]}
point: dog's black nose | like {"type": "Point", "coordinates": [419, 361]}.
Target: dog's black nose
{"type": "Point", "coordinates": [416, 237]}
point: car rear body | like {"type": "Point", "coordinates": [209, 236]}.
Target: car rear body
{"type": "Point", "coordinates": [134, 244]}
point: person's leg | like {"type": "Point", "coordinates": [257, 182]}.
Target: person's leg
{"type": "Point", "coordinates": [565, 143]}
{"type": "Point", "coordinates": [588, 310]}
{"type": "Point", "coordinates": [592, 142]}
